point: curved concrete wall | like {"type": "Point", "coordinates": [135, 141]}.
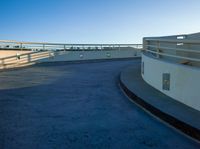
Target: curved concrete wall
{"type": "Point", "coordinates": [93, 55]}
{"type": "Point", "coordinates": [184, 80]}
{"type": "Point", "coordinates": [25, 58]}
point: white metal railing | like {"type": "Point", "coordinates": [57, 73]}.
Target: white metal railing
{"type": "Point", "coordinates": [40, 46]}
{"type": "Point", "coordinates": [38, 50]}
{"type": "Point", "coordinates": [181, 49]}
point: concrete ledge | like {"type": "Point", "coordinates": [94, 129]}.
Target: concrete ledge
{"type": "Point", "coordinates": [174, 113]}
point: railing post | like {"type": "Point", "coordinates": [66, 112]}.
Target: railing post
{"type": "Point", "coordinates": [158, 49]}
{"type": "Point", "coordinates": [145, 43]}
{"type": "Point", "coordinates": [83, 47]}
{"type": "Point", "coordinates": [21, 46]}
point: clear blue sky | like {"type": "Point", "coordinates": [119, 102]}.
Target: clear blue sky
{"type": "Point", "coordinates": [96, 21]}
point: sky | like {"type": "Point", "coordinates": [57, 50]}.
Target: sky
{"type": "Point", "coordinates": [96, 21]}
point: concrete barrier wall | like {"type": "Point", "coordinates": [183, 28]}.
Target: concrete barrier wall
{"type": "Point", "coordinates": [92, 55]}
{"type": "Point", "coordinates": [184, 80]}
{"type": "Point", "coordinates": [13, 59]}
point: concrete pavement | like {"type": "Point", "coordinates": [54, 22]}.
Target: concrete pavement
{"type": "Point", "coordinates": [75, 106]}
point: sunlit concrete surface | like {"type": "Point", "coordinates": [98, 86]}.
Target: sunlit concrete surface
{"type": "Point", "coordinates": [7, 53]}
{"type": "Point", "coordinates": [76, 106]}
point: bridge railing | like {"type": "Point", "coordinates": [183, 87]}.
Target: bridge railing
{"type": "Point", "coordinates": [180, 49]}
{"type": "Point", "coordinates": [39, 46]}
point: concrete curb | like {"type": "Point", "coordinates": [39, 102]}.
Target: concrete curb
{"type": "Point", "coordinates": [185, 128]}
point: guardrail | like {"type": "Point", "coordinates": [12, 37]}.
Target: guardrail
{"type": "Point", "coordinates": [39, 46]}
{"type": "Point", "coordinates": [37, 51]}
{"type": "Point", "coordinates": [181, 49]}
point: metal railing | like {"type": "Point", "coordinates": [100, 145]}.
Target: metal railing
{"type": "Point", "coordinates": [181, 49]}
{"type": "Point", "coordinates": [37, 51]}
{"type": "Point", "coordinates": [39, 46]}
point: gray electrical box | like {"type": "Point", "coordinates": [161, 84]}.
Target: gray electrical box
{"type": "Point", "coordinates": [142, 68]}
{"type": "Point", "coordinates": [166, 81]}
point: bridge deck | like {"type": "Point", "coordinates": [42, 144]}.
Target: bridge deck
{"type": "Point", "coordinates": [76, 106]}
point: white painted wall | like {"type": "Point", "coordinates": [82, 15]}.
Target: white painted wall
{"type": "Point", "coordinates": [92, 55]}
{"type": "Point", "coordinates": [184, 80]}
